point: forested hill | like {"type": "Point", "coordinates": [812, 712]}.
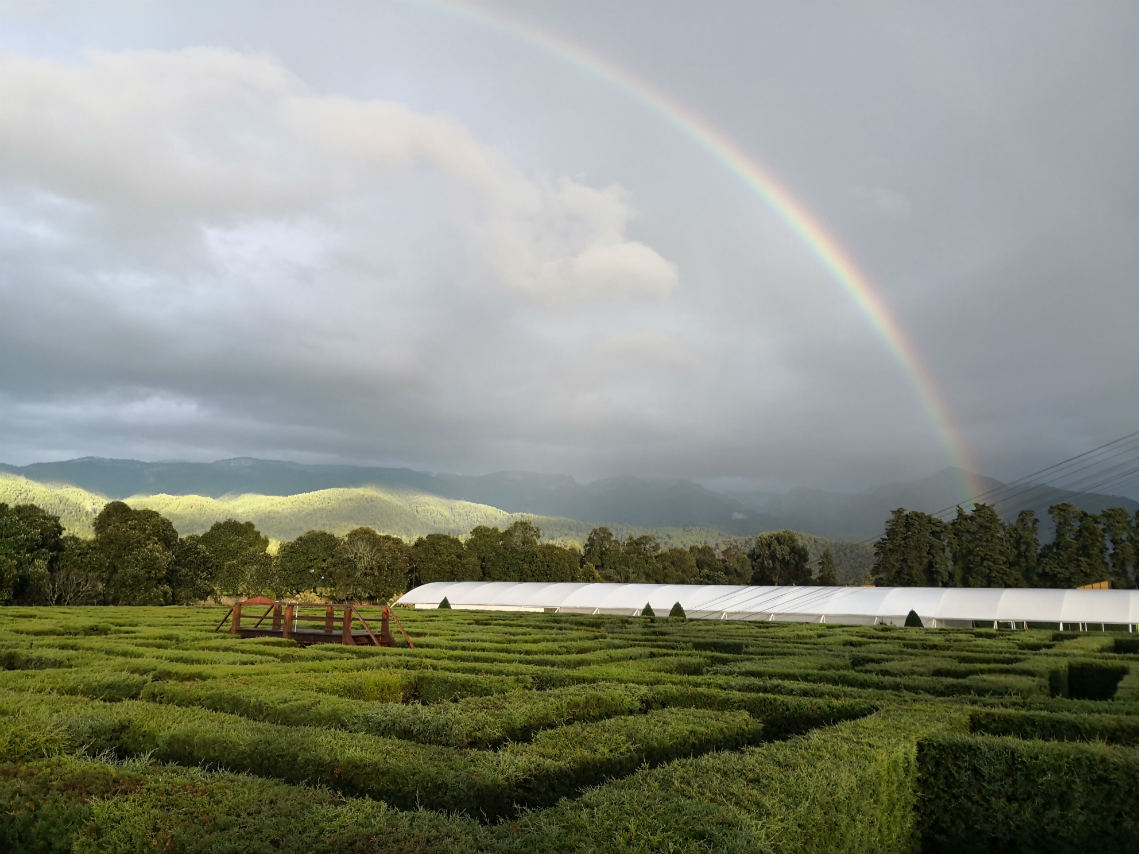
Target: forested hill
{"type": "Point", "coordinates": [405, 513]}
{"type": "Point", "coordinates": [638, 502]}
{"type": "Point", "coordinates": [567, 507]}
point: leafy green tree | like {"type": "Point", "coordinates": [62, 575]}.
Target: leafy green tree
{"type": "Point", "coordinates": [709, 566]}
{"type": "Point", "coordinates": [554, 563]}
{"type": "Point", "coordinates": [138, 547]}
{"type": "Point", "coordinates": [1120, 528]}
{"type": "Point", "coordinates": [441, 557]}
{"type": "Point", "coordinates": [30, 539]}
{"type": "Point", "coordinates": [518, 551]}
{"type": "Point", "coordinates": [647, 612]}
{"type": "Point", "coordinates": [826, 576]}
{"type": "Point", "coordinates": [373, 566]}
{"type": "Point", "coordinates": [77, 577]}
{"type": "Point", "coordinates": [676, 565]}
{"type": "Point", "coordinates": [192, 571]}
{"type": "Point", "coordinates": [779, 558]}
{"type": "Point", "coordinates": [639, 559]}
{"type": "Point", "coordinates": [312, 562]}
{"type": "Point", "coordinates": [241, 562]}
{"type": "Point", "coordinates": [677, 612]}
{"type": "Point", "coordinates": [485, 544]}
{"type": "Point", "coordinates": [737, 567]}
{"type": "Point", "coordinates": [603, 552]}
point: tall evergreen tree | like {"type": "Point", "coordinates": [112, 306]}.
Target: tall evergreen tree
{"type": "Point", "coordinates": [890, 550]}
{"type": "Point", "coordinates": [1077, 554]}
{"type": "Point", "coordinates": [981, 552]}
{"type": "Point", "coordinates": [604, 553]}
{"type": "Point", "coordinates": [1024, 548]}
{"type": "Point", "coordinates": [912, 551]}
{"type": "Point", "coordinates": [826, 575]}
{"type": "Point", "coordinates": [1120, 528]}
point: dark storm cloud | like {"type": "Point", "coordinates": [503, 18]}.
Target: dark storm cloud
{"type": "Point", "coordinates": [387, 234]}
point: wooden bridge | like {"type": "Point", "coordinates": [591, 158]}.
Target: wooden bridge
{"type": "Point", "coordinates": [335, 623]}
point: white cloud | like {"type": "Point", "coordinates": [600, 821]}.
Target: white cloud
{"type": "Point", "coordinates": [179, 141]}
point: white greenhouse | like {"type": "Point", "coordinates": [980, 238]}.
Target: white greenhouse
{"type": "Point", "coordinates": [937, 606]}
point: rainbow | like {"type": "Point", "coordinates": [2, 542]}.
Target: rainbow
{"type": "Point", "coordinates": [724, 149]}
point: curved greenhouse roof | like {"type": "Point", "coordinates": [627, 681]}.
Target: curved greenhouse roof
{"type": "Point", "coordinates": [937, 606]}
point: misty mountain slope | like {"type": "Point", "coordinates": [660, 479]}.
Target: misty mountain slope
{"type": "Point", "coordinates": [848, 516]}
{"type": "Point", "coordinates": [411, 503]}
{"type": "Point", "coordinates": [614, 501]}
{"type": "Point", "coordinates": [407, 514]}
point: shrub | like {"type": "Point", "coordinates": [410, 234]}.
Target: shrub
{"type": "Point", "coordinates": [677, 611]}
{"type": "Point", "coordinates": [1007, 795]}
{"type": "Point", "coordinates": [913, 621]}
{"type": "Point", "coordinates": [647, 611]}
{"type": "Point", "coordinates": [444, 605]}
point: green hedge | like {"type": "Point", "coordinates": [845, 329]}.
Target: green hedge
{"type": "Point", "coordinates": [80, 804]}
{"type": "Point", "coordinates": [402, 773]}
{"type": "Point", "coordinates": [850, 787]}
{"type": "Point", "coordinates": [1086, 679]}
{"type": "Point", "coordinates": [478, 721]}
{"type": "Point", "coordinates": [1126, 646]}
{"type": "Point", "coordinates": [1055, 726]}
{"type": "Point", "coordinates": [987, 793]}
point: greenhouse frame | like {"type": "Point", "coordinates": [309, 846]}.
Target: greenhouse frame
{"type": "Point", "coordinates": [937, 606]}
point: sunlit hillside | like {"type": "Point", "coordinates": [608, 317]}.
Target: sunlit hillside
{"type": "Point", "coordinates": [404, 513]}
{"type": "Point", "coordinates": [75, 507]}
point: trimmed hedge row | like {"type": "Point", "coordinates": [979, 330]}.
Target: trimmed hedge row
{"type": "Point", "coordinates": [80, 804]}
{"type": "Point", "coordinates": [988, 793]}
{"type": "Point", "coordinates": [1086, 679]}
{"type": "Point", "coordinates": [1055, 726]}
{"type": "Point", "coordinates": [401, 773]}
{"type": "Point", "coordinates": [475, 721]}
{"type": "Point", "coordinates": [851, 787]}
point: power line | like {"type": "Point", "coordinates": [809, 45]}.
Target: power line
{"type": "Point", "coordinates": [1105, 465]}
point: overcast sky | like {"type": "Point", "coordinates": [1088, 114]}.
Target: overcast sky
{"type": "Point", "coordinates": [408, 233]}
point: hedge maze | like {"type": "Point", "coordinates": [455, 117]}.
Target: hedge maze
{"type": "Point", "coordinates": [138, 729]}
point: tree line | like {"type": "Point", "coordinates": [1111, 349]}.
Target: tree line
{"type": "Point", "coordinates": [136, 557]}
{"type": "Point", "coordinates": [978, 549]}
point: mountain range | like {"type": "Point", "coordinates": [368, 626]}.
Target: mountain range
{"type": "Point", "coordinates": [339, 495]}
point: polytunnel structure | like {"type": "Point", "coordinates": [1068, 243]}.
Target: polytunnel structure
{"type": "Point", "coordinates": [937, 606]}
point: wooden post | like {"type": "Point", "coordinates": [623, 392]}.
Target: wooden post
{"type": "Point", "coordinates": [235, 623]}
{"type": "Point", "coordinates": [346, 626]}
{"type": "Point", "coordinates": [276, 617]}
{"type": "Point", "coordinates": [287, 629]}
{"type": "Point", "coordinates": [328, 619]}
